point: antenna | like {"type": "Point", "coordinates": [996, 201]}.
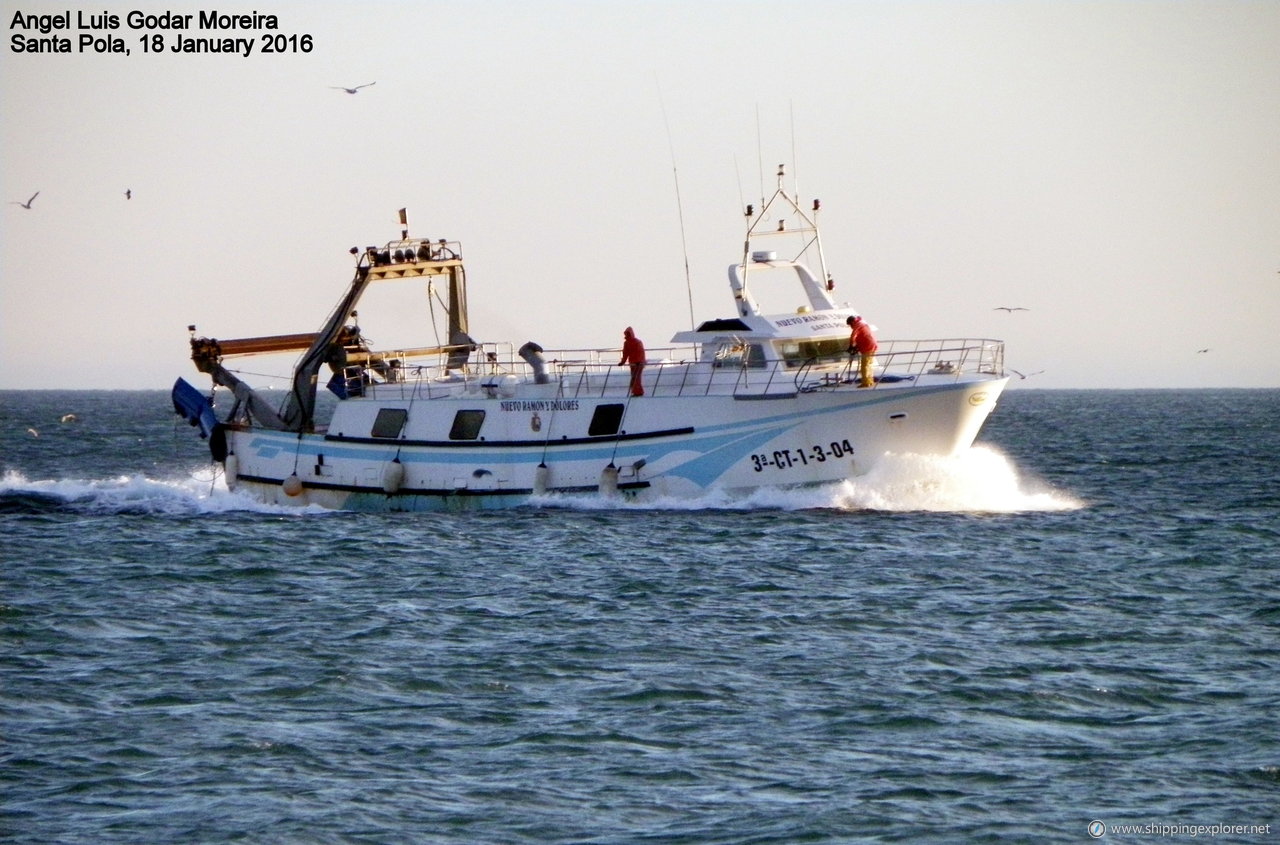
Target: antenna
{"type": "Point", "coordinates": [737, 174]}
{"type": "Point", "coordinates": [795, 163]}
{"type": "Point", "coordinates": [675, 175]}
{"type": "Point", "coordinates": [760, 155]}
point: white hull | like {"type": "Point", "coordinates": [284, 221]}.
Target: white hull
{"type": "Point", "coordinates": [678, 446]}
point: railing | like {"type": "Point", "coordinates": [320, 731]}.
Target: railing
{"type": "Point", "coordinates": [673, 371]}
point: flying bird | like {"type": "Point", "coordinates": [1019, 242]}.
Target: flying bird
{"type": "Point", "coordinates": [128, 193]}
{"type": "Point", "coordinates": [27, 204]}
{"type": "Point", "coordinates": [1201, 351]}
{"type": "Point", "coordinates": [1007, 308]}
{"type": "Point", "coordinates": [352, 90]}
{"type": "Point", "coordinates": [1026, 375]}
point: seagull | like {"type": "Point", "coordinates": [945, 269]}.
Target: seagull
{"type": "Point", "coordinates": [352, 90]}
{"type": "Point", "coordinates": [128, 193]}
{"type": "Point", "coordinates": [1027, 375]}
{"type": "Point", "coordinates": [1007, 308]}
{"type": "Point", "coordinates": [1201, 351]}
{"type": "Point", "coordinates": [27, 204]}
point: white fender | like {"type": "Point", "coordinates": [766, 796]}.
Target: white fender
{"type": "Point", "coordinates": [292, 485]}
{"type": "Point", "coordinates": [393, 477]}
{"type": "Point", "coordinates": [609, 481]}
{"type": "Point", "coordinates": [541, 477]}
{"type": "Point", "coordinates": [231, 467]}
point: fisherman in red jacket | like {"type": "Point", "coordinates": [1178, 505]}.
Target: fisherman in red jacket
{"type": "Point", "coordinates": [633, 354]}
{"type": "Point", "coordinates": [864, 343]}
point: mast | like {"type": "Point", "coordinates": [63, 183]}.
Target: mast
{"type": "Point", "coordinates": [299, 409]}
{"type": "Point", "coordinates": [793, 223]}
{"type": "Point", "coordinates": [407, 258]}
{"type": "Point", "coordinates": [458, 301]}
{"type": "Point", "coordinates": [805, 223]}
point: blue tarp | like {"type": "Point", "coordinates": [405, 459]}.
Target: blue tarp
{"type": "Point", "coordinates": [192, 406]}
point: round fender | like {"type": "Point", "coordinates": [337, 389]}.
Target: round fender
{"type": "Point", "coordinates": [393, 477]}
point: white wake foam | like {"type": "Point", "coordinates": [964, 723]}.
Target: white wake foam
{"type": "Point", "coordinates": [198, 492]}
{"type": "Point", "coordinates": [980, 480]}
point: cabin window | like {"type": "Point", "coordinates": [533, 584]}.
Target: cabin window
{"type": "Point", "coordinates": [389, 422]}
{"type": "Point", "coordinates": [740, 355]}
{"type": "Point", "coordinates": [466, 425]}
{"type": "Point", "coordinates": [605, 420]}
{"type": "Point", "coordinates": [796, 352]}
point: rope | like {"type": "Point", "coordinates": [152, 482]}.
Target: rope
{"type": "Point", "coordinates": [617, 437]}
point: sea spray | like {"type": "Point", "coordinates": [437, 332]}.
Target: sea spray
{"type": "Point", "coordinates": [979, 480]}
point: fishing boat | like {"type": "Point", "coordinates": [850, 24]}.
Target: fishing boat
{"type": "Point", "coordinates": [735, 404]}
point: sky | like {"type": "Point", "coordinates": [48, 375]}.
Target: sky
{"type": "Point", "coordinates": [1112, 167]}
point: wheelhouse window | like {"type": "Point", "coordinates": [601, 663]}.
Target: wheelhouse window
{"type": "Point", "coordinates": [796, 352]}
{"type": "Point", "coordinates": [734, 355]}
{"type": "Point", "coordinates": [389, 422]}
{"type": "Point", "coordinates": [466, 425]}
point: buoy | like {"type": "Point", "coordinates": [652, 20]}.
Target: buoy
{"type": "Point", "coordinates": [393, 477]}
{"type": "Point", "coordinates": [292, 485]}
{"type": "Point", "coordinates": [609, 481]}
{"type": "Point", "coordinates": [541, 476]}
{"type": "Point", "coordinates": [231, 466]}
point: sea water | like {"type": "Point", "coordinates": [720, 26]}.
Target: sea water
{"type": "Point", "coordinates": [1076, 622]}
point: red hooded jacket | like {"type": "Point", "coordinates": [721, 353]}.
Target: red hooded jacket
{"type": "Point", "coordinates": [632, 348]}
{"type": "Point", "coordinates": [861, 338]}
